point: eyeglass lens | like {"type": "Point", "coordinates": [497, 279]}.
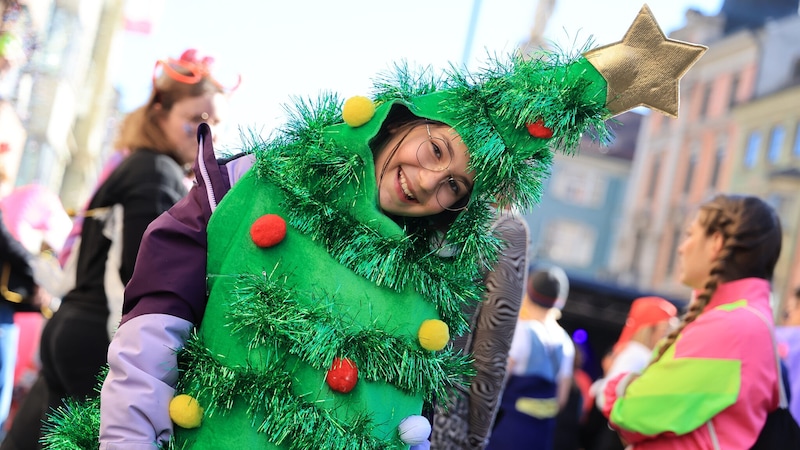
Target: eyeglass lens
{"type": "Point", "coordinates": [451, 194]}
{"type": "Point", "coordinates": [434, 154]}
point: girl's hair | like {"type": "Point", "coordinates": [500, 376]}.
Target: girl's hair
{"type": "Point", "coordinates": [398, 121]}
{"type": "Point", "coordinates": [751, 233]}
{"type": "Point", "coordinates": [142, 129]}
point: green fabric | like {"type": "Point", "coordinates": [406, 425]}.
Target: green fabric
{"type": "Point", "coordinates": [732, 305]}
{"type": "Point", "coordinates": [305, 266]}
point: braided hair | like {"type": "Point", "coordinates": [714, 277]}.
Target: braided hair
{"type": "Point", "coordinates": [751, 245]}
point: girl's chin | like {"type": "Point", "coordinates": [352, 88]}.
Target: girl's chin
{"type": "Point", "coordinates": [405, 211]}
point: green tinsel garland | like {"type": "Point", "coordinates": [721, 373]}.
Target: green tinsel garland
{"type": "Point", "coordinates": [518, 90]}
{"type": "Point", "coordinates": [449, 283]}
{"type": "Point", "coordinates": [75, 425]}
{"type": "Point", "coordinates": [280, 416]}
{"type": "Point", "coordinates": [267, 313]}
{"type": "Point", "coordinates": [298, 159]}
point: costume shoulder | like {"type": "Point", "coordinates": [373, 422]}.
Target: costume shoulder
{"type": "Point", "coordinates": [465, 419]}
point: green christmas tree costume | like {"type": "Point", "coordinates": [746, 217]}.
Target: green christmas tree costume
{"type": "Point", "coordinates": [348, 288]}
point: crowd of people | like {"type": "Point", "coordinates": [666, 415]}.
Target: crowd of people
{"type": "Point", "coordinates": [708, 380]}
{"type": "Point", "coordinates": [150, 172]}
{"type": "Point", "coordinates": [149, 278]}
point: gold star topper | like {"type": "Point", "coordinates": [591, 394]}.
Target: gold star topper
{"type": "Point", "coordinates": [645, 67]}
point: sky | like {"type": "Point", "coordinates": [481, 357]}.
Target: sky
{"type": "Point", "coordinates": [301, 48]}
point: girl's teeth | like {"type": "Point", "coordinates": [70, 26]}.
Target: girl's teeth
{"type": "Point", "coordinates": [404, 185]}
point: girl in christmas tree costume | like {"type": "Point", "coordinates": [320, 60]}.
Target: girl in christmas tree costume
{"type": "Point", "coordinates": [303, 295]}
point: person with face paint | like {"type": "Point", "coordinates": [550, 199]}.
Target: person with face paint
{"type": "Point", "coordinates": [159, 138]}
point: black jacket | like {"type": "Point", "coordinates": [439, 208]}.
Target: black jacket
{"type": "Point", "coordinates": [18, 259]}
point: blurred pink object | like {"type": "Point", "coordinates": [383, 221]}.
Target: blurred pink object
{"type": "Point", "coordinates": [30, 329]}
{"type": "Point", "coordinates": [34, 214]}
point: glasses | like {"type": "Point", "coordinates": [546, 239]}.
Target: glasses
{"type": "Point", "coordinates": [435, 154]}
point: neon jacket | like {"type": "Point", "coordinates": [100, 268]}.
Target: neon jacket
{"type": "Point", "coordinates": [713, 388]}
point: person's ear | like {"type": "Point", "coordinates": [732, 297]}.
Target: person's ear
{"type": "Point", "coordinates": [717, 242]}
{"type": "Point", "coordinates": [159, 113]}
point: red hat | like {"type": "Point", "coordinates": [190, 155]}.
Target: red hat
{"type": "Point", "coordinates": [645, 311]}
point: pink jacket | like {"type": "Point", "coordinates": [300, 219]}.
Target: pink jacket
{"type": "Point", "coordinates": [713, 388]}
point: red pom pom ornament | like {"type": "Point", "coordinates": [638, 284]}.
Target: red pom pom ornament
{"type": "Point", "coordinates": [268, 230]}
{"type": "Point", "coordinates": [538, 130]}
{"type": "Point", "coordinates": [343, 375]}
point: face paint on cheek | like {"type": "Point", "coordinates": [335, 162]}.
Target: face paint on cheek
{"type": "Point", "coordinates": [188, 129]}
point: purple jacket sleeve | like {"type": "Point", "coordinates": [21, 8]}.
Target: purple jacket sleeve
{"type": "Point", "coordinates": [134, 399]}
{"type": "Point", "coordinates": [170, 272]}
{"type": "Point", "coordinates": [164, 300]}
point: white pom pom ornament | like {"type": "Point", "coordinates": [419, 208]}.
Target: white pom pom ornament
{"type": "Point", "coordinates": [414, 430]}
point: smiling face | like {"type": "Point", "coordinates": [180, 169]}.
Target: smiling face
{"type": "Point", "coordinates": [698, 253]}
{"type": "Point", "coordinates": [414, 177]}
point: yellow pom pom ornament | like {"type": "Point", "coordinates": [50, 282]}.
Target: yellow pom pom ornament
{"type": "Point", "coordinates": [433, 335]}
{"type": "Point", "coordinates": [357, 111]}
{"type": "Point", "coordinates": [185, 411]}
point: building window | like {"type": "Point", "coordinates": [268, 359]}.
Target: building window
{"type": "Point", "coordinates": [796, 147]}
{"type": "Point", "coordinates": [638, 245]}
{"type": "Point", "coordinates": [796, 72]}
{"type": "Point", "coordinates": [753, 147]}
{"type": "Point", "coordinates": [677, 237]}
{"type": "Point", "coordinates": [734, 88]}
{"type": "Point", "coordinates": [570, 243]}
{"type": "Point", "coordinates": [579, 187]}
{"type": "Point", "coordinates": [651, 189]}
{"type": "Point", "coordinates": [715, 170]}
{"type": "Point", "coordinates": [775, 144]}
{"type": "Point", "coordinates": [687, 183]}
{"type": "Point", "coordinates": [706, 104]}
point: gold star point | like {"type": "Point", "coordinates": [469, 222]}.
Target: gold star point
{"type": "Point", "coordinates": [645, 67]}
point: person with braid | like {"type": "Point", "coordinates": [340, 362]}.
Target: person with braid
{"type": "Point", "coordinates": [714, 379]}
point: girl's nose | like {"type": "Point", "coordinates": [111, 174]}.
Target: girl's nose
{"type": "Point", "coordinates": [429, 180]}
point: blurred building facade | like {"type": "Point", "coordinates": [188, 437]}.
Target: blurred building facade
{"type": "Point", "coordinates": [736, 130]}
{"type": "Point", "coordinates": [620, 222]}
{"type": "Point", "coordinates": [21, 27]}
{"type": "Point", "coordinates": [767, 158]}
{"type": "Point", "coordinates": [61, 95]}
{"type": "Point", "coordinates": [583, 203]}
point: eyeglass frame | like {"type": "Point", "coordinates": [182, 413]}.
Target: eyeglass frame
{"type": "Point", "coordinates": [450, 178]}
